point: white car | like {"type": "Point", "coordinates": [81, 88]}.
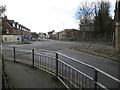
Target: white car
{"type": "Point", "coordinates": [33, 39]}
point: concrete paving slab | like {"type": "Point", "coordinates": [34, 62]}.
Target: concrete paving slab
{"type": "Point", "coordinates": [23, 76]}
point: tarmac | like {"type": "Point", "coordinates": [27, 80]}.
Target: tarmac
{"type": "Point", "coordinates": [24, 76]}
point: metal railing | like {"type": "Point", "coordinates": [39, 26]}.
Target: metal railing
{"type": "Point", "coordinates": [71, 72]}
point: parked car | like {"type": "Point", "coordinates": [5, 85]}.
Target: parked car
{"type": "Point", "coordinates": [33, 39]}
{"type": "Point", "coordinates": [39, 39]}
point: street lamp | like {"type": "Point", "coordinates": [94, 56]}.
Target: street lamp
{"type": "Point", "coordinates": [117, 29]}
{"type": "Point", "coordinates": [117, 33]}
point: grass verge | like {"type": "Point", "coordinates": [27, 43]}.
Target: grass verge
{"type": "Point", "coordinates": [107, 52]}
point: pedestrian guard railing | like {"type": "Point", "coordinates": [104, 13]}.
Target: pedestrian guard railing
{"type": "Point", "coordinates": [71, 72]}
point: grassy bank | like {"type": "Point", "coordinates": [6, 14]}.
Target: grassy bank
{"type": "Point", "coordinates": [107, 52]}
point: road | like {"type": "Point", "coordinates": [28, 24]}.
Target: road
{"type": "Point", "coordinates": [104, 64]}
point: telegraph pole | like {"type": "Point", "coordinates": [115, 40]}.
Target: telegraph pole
{"type": "Point", "coordinates": [117, 35]}
{"type": "Point", "coordinates": [117, 23]}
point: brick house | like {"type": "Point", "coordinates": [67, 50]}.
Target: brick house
{"type": "Point", "coordinates": [72, 34]}
{"type": "Point", "coordinates": [57, 35]}
{"type": "Point", "coordinates": [13, 31]}
{"type": "Point", "coordinates": [68, 34]}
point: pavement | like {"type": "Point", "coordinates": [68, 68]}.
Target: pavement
{"type": "Point", "coordinates": [24, 76]}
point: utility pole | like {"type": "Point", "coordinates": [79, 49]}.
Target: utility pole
{"type": "Point", "coordinates": [117, 23]}
{"type": "Point", "coordinates": [117, 35]}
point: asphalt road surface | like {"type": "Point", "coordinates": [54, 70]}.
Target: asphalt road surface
{"type": "Point", "coordinates": [107, 65]}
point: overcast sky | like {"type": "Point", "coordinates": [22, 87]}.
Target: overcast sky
{"type": "Point", "coordinates": [45, 15]}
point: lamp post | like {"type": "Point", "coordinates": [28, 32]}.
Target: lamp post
{"type": "Point", "coordinates": [117, 22]}
{"type": "Point", "coordinates": [117, 34]}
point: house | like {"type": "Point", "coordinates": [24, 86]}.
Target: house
{"type": "Point", "coordinates": [13, 31]}
{"type": "Point", "coordinates": [34, 36]}
{"type": "Point", "coordinates": [72, 34]}
{"type": "Point", "coordinates": [42, 36]}
{"type": "Point", "coordinates": [68, 34]}
{"type": "Point", "coordinates": [57, 35]}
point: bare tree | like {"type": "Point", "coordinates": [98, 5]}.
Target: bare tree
{"type": "Point", "coordinates": [85, 13]}
{"type": "Point", "coordinates": [50, 33]}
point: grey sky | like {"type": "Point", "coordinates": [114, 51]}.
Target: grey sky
{"type": "Point", "coordinates": [45, 15]}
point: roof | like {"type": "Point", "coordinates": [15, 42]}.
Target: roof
{"type": "Point", "coordinates": [11, 22]}
{"type": "Point", "coordinates": [67, 30]}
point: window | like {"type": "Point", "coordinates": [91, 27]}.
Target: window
{"type": "Point", "coordinates": [5, 38]}
{"type": "Point", "coordinates": [13, 24]}
{"type": "Point", "coordinates": [72, 32]}
{"type": "Point", "coordinates": [7, 31]}
{"type": "Point", "coordinates": [17, 26]}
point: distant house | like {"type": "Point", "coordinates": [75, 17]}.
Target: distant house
{"type": "Point", "coordinates": [52, 36]}
{"type": "Point", "coordinates": [34, 36]}
{"type": "Point", "coordinates": [57, 35]}
{"type": "Point", "coordinates": [68, 34]}
{"type": "Point", "coordinates": [42, 36]}
{"type": "Point", "coordinates": [72, 34]}
{"type": "Point", "coordinates": [13, 31]}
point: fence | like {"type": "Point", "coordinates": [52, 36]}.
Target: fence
{"type": "Point", "coordinates": [71, 72]}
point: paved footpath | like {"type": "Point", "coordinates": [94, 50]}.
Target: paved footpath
{"type": "Point", "coordinates": [23, 76]}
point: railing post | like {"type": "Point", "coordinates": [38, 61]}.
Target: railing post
{"type": "Point", "coordinates": [33, 57]}
{"type": "Point", "coordinates": [14, 54]}
{"type": "Point", "coordinates": [96, 78]}
{"type": "Point", "coordinates": [56, 64]}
